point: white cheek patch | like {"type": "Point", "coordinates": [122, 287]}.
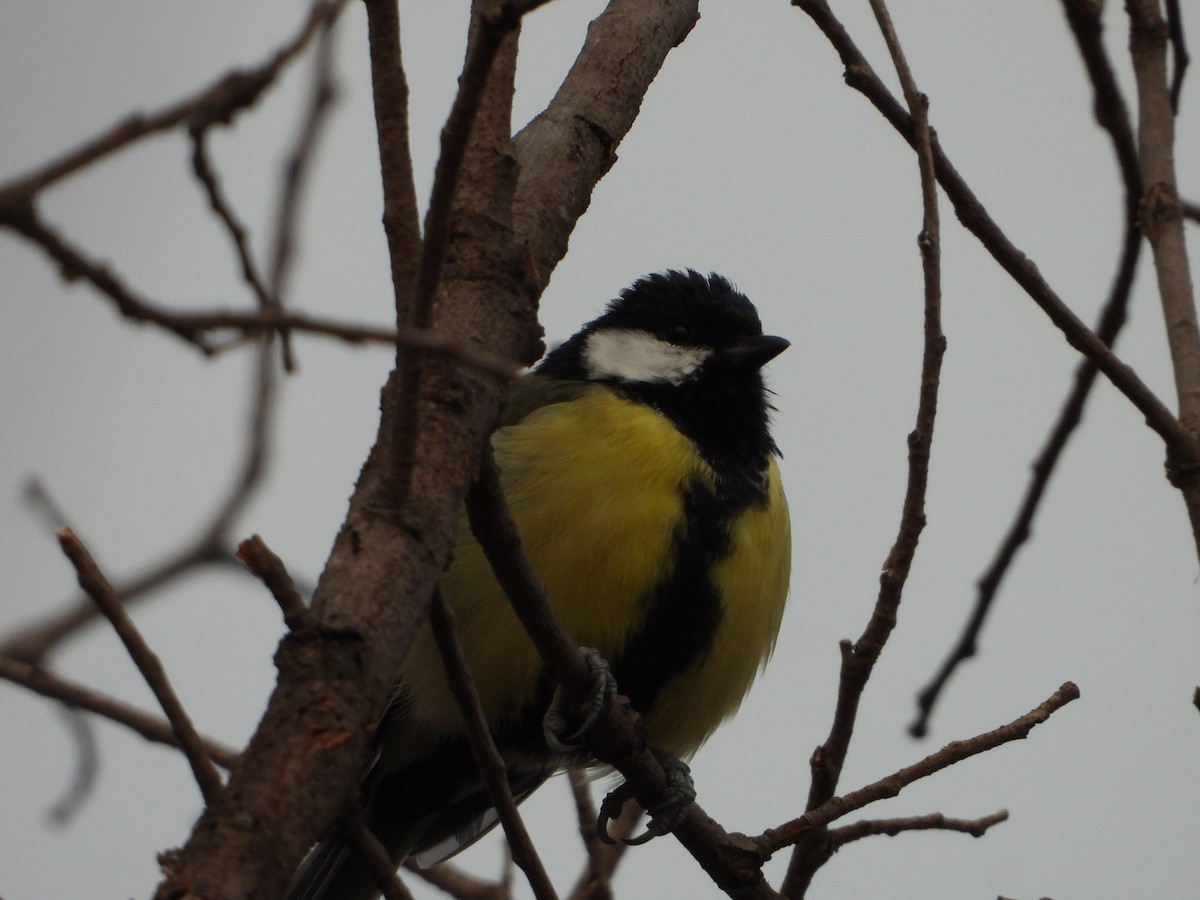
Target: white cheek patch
{"type": "Point", "coordinates": [639, 356]}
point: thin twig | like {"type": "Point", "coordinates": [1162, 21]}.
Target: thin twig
{"type": "Point", "coordinates": [194, 327]}
{"type": "Point", "coordinates": [456, 883]}
{"type": "Point", "coordinates": [389, 91]}
{"type": "Point", "coordinates": [206, 174]}
{"type": "Point", "coordinates": [1178, 51]}
{"type": "Point", "coordinates": [859, 658]}
{"type": "Point", "coordinates": [376, 858]}
{"type": "Point", "coordinates": [34, 642]}
{"type": "Point", "coordinates": [92, 580]}
{"type": "Point", "coordinates": [491, 764]}
{"type": "Point", "coordinates": [594, 883]}
{"type": "Point", "coordinates": [496, 532]}
{"type": "Point", "coordinates": [151, 727]}
{"type": "Point", "coordinates": [295, 176]}
{"type": "Point", "coordinates": [219, 102]}
{"type": "Point", "coordinates": [86, 767]}
{"type": "Point", "coordinates": [839, 837]}
{"type": "Point", "coordinates": [1181, 450]}
{"type": "Point", "coordinates": [1112, 115]}
{"type": "Point", "coordinates": [269, 568]}
{"type": "Point", "coordinates": [210, 546]}
{"type": "Point", "coordinates": [775, 839]}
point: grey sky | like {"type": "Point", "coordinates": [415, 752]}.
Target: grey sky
{"type": "Point", "coordinates": [751, 158]}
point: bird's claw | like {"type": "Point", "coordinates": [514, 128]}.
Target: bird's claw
{"type": "Point", "coordinates": [554, 723]}
{"type": "Point", "coordinates": [665, 816]}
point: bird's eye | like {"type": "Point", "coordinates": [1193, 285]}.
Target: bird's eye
{"type": "Point", "coordinates": [679, 333]}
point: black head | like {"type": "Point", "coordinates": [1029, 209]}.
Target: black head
{"type": "Point", "coordinates": [692, 347]}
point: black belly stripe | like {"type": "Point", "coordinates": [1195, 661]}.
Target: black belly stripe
{"type": "Point", "coordinates": [684, 611]}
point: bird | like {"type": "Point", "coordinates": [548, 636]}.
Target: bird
{"type": "Point", "coordinates": [638, 464]}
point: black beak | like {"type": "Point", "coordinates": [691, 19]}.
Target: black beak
{"type": "Point", "coordinates": [755, 352]}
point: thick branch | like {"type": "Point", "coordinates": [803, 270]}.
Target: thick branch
{"type": "Point", "coordinates": [299, 775]}
{"type": "Point", "coordinates": [568, 147]}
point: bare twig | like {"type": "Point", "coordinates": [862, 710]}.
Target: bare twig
{"type": "Point", "coordinates": [594, 883]}
{"type": "Point", "coordinates": [32, 643]}
{"type": "Point", "coordinates": [269, 568]}
{"type": "Point", "coordinates": [493, 527]}
{"type": "Point", "coordinates": [219, 102]}
{"type": "Point", "coordinates": [389, 91]}
{"type": "Point", "coordinates": [195, 327]}
{"type": "Point", "coordinates": [376, 857]}
{"type": "Point", "coordinates": [206, 174]}
{"type": "Point", "coordinates": [211, 545]}
{"type": "Point", "coordinates": [1178, 50]}
{"type": "Point", "coordinates": [839, 837]}
{"type": "Point", "coordinates": [38, 496]}
{"type": "Point", "coordinates": [859, 658]}
{"type": "Point", "coordinates": [891, 786]}
{"type": "Point", "coordinates": [1181, 449]}
{"type": "Point", "coordinates": [1111, 113]}
{"type": "Point", "coordinates": [295, 175]}
{"type": "Point", "coordinates": [151, 727]}
{"type": "Point", "coordinates": [92, 580]}
{"type": "Point", "coordinates": [88, 764]}
{"type": "Point", "coordinates": [456, 883]}
{"type": "Point", "coordinates": [487, 756]}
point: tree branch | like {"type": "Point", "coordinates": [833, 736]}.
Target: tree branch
{"type": "Point", "coordinates": [839, 837]}
{"type": "Point", "coordinates": [1181, 449]}
{"type": "Point", "coordinates": [567, 148]}
{"type": "Point", "coordinates": [775, 839]}
{"type": "Point", "coordinates": [1111, 113]}
{"type": "Point", "coordinates": [219, 102]}
{"type": "Point", "coordinates": [1162, 223]}
{"type": "Point", "coordinates": [152, 728]}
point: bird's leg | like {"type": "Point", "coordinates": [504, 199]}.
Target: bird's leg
{"type": "Point", "coordinates": [604, 688]}
{"type": "Point", "coordinates": [664, 816]}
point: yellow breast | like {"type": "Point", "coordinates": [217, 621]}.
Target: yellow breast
{"type": "Point", "coordinates": [595, 486]}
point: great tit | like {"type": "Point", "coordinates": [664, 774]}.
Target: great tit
{"type": "Point", "coordinates": [640, 470]}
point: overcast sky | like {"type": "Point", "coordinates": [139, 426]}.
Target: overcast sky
{"type": "Point", "coordinates": [751, 158]}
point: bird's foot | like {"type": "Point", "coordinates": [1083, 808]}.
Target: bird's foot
{"type": "Point", "coordinates": [604, 688]}
{"type": "Point", "coordinates": [666, 815]}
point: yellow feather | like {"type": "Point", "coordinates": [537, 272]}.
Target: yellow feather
{"type": "Point", "coordinates": [597, 517]}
